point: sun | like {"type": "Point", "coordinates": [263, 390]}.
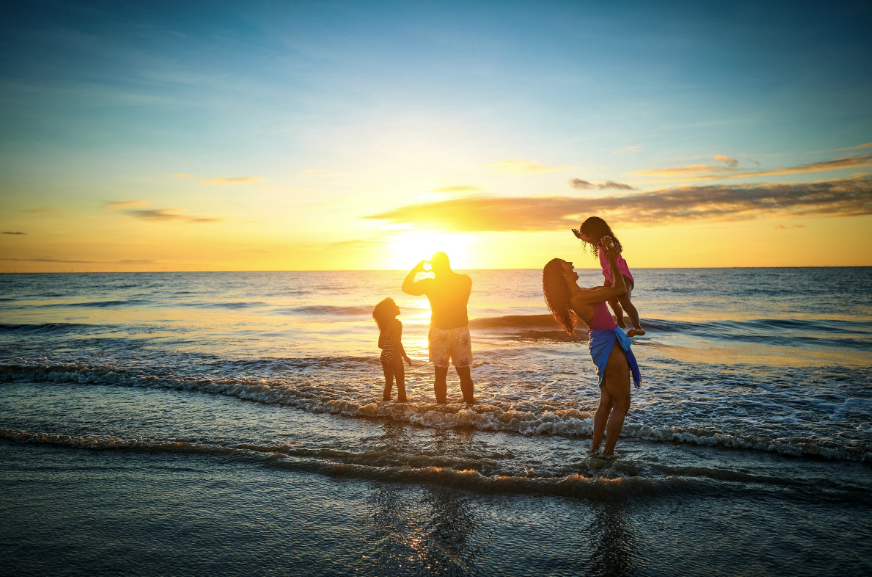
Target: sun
{"type": "Point", "coordinates": [408, 248]}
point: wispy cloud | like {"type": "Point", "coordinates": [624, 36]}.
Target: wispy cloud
{"type": "Point", "coordinates": [72, 261]}
{"type": "Point", "coordinates": [317, 173]}
{"type": "Point", "coordinates": [458, 188]}
{"type": "Point", "coordinates": [156, 214]}
{"type": "Point", "coordinates": [711, 171]}
{"type": "Point", "coordinates": [731, 162]}
{"type": "Point", "coordinates": [15, 233]}
{"type": "Point", "coordinates": [858, 147]}
{"type": "Point", "coordinates": [609, 184]}
{"type": "Point", "coordinates": [168, 215]}
{"type": "Point", "coordinates": [117, 205]}
{"type": "Point", "coordinates": [358, 243]}
{"type": "Point", "coordinates": [522, 166]}
{"type": "Point", "coordinates": [833, 198]}
{"type": "Point", "coordinates": [788, 227]}
{"type": "Point", "coordinates": [231, 180]}
{"type": "Point", "coordinates": [628, 149]}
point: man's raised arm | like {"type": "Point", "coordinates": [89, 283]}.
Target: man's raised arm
{"type": "Point", "coordinates": [410, 287]}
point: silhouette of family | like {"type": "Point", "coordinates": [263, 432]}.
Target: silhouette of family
{"type": "Point", "coordinates": [449, 340]}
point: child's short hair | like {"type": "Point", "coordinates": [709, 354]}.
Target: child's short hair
{"type": "Point", "coordinates": [382, 313]}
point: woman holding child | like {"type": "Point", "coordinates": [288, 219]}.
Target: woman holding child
{"type": "Point", "coordinates": [609, 346]}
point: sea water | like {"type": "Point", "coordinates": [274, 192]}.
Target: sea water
{"type": "Point", "coordinates": [239, 415]}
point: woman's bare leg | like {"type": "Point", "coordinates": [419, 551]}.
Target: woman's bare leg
{"type": "Point", "coordinates": [617, 381]}
{"type": "Point", "coordinates": [400, 374]}
{"type": "Point", "coordinates": [389, 381]}
{"type": "Point", "coordinates": [600, 418]}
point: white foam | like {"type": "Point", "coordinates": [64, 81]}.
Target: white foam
{"type": "Point", "coordinates": [527, 418]}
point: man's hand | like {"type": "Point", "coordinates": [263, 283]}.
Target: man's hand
{"type": "Point", "coordinates": [410, 287]}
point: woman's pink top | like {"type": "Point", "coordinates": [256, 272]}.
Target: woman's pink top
{"type": "Point", "coordinates": [602, 318]}
{"type": "Point", "coordinates": [607, 268]}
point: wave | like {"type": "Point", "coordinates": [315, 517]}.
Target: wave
{"type": "Point", "coordinates": [515, 322]}
{"type": "Point", "coordinates": [91, 304]}
{"type": "Point", "coordinates": [493, 415]}
{"type": "Point", "coordinates": [592, 478]}
{"type": "Point", "coordinates": [328, 310]}
{"type": "Point", "coordinates": [230, 305]}
{"type": "Point", "coordinates": [41, 328]}
{"type": "Point", "coordinates": [604, 483]}
{"type": "Point", "coordinates": [736, 328]}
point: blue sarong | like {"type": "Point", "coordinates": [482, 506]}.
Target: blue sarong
{"type": "Point", "coordinates": [601, 343]}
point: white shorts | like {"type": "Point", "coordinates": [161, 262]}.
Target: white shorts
{"type": "Point", "coordinates": [450, 343]}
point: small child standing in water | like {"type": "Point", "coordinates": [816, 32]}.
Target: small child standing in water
{"type": "Point", "coordinates": [390, 341]}
{"type": "Point", "coordinates": [595, 232]}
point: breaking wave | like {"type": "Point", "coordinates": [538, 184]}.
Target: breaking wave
{"type": "Point", "coordinates": [525, 418]}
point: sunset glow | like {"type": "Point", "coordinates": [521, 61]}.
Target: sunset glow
{"type": "Point", "coordinates": [303, 137]}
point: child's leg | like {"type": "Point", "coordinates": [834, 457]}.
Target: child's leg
{"type": "Point", "coordinates": [631, 310]}
{"type": "Point", "coordinates": [389, 381]}
{"type": "Point", "coordinates": [400, 374]}
{"type": "Point", "coordinates": [616, 308]}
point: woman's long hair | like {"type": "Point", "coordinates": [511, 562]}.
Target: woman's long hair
{"type": "Point", "coordinates": [383, 313]}
{"type": "Point", "coordinates": [557, 295]}
{"type": "Point", "coordinates": [595, 228]}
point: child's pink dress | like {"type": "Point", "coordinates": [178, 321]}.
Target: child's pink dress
{"type": "Point", "coordinates": [607, 268]}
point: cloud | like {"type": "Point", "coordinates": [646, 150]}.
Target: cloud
{"type": "Point", "coordinates": [317, 173]}
{"type": "Point", "coordinates": [711, 172]}
{"type": "Point", "coordinates": [168, 214]}
{"type": "Point", "coordinates": [581, 184]}
{"type": "Point", "coordinates": [615, 185]}
{"type": "Point", "coordinates": [833, 198]}
{"type": "Point", "coordinates": [690, 170]}
{"type": "Point", "coordinates": [859, 146]}
{"type": "Point", "coordinates": [458, 188]}
{"type": "Point", "coordinates": [230, 180]}
{"type": "Point", "coordinates": [124, 204]}
{"type": "Point", "coordinates": [731, 162]}
{"type": "Point", "coordinates": [358, 243]}
{"type": "Point", "coordinates": [15, 233]}
{"type": "Point", "coordinates": [522, 166]}
{"type": "Point", "coordinates": [585, 185]}
{"type": "Point", "coordinates": [70, 261]}
{"type": "Point", "coordinates": [629, 148]}
{"type": "Point", "coordinates": [788, 227]}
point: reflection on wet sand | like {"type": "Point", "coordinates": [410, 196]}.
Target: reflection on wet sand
{"type": "Point", "coordinates": [427, 530]}
{"type": "Point", "coordinates": [613, 542]}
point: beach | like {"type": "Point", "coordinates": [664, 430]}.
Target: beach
{"type": "Point", "coordinates": [184, 423]}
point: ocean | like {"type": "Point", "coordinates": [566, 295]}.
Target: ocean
{"type": "Point", "coordinates": [185, 423]}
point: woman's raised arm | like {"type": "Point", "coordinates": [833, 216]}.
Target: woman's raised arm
{"type": "Point", "coordinates": [601, 294]}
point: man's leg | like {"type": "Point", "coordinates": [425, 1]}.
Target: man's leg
{"type": "Point", "coordinates": [440, 385]}
{"type": "Point", "coordinates": [466, 384]}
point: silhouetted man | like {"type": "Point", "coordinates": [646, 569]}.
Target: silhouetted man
{"type": "Point", "coordinates": [448, 293]}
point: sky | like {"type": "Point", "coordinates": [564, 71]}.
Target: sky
{"type": "Point", "coordinates": [174, 136]}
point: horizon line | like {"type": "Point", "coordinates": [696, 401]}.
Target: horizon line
{"type": "Point", "coordinates": [406, 270]}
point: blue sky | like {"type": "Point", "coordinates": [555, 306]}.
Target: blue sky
{"type": "Point", "coordinates": [335, 111]}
